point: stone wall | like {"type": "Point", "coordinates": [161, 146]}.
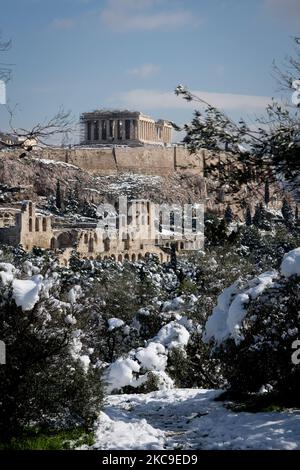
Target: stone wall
{"type": "Point", "coordinates": [146, 160]}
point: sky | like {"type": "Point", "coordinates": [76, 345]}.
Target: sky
{"type": "Point", "coordinates": [131, 54]}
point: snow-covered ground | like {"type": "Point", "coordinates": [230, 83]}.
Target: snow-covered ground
{"type": "Point", "coordinates": [191, 419]}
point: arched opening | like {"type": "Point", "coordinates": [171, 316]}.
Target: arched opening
{"type": "Point", "coordinates": [140, 256]}
{"type": "Point", "coordinates": [52, 243]}
{"type": "Point", "coordinates": [105, 257]}
{"type": "Point", "coordinates": [133, 258]}
{"type": "Point", "coordinates": [126, 256]}
{"type": "Point", "coordinates": [37, 225]}
{"type": "Point", "coordinates": [120, 258]}
{"type": "Point", "coordinates": [30, 225]}
{"type": "Point", "coordinates": [91, 258]}
{"type": "Point", "coordinates": [106, 243]}
{"type": "Point", "coordinates": [86, 238]}
{"type": "Point", "coordinates": [126, 242]}
{"type": "Point", "coordinates": [181, 245]}
{"type": "Point", "coordinates": [30, 209]}
{"type": "Point", "coordinates": [113, 257]}
{"type": "Point", "coordinates": [64, 240]}
{"type": "Point", "coordinates": [91, 245]}
{"type": "Point", "coordinates": [44, 224]}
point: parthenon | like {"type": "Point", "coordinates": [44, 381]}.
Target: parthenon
{"type": "Point", "coordinates": [123, 127]}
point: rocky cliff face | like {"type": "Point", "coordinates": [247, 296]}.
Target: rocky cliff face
{"type": "Point", "coordinates": [31, 177]}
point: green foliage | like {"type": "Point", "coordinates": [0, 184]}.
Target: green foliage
{"type": "Point", "coordinates": [194, 366]}
{"type": "Point", "coordinates": [264, 355]}
{"type": "Point", "coordinates": [52, 440]}
{"type": "Point", "coordinates": [42, 380]}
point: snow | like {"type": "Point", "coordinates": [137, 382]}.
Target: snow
{"type": "Point", "coordinates": [46, 161]}
{"type": "Point", "coordinates": [121, 373]}
{"type": "Point", "coordinates": [119, 434]}
{"type": "Point", "coordinates": [7, 273]}
{"type": "Point", "coordinates": [134, 369]}
{"type": "Point", "coordinates": [228, 315]}
{"type": "Point", "coordinates": [191, 419]}
{"type": "Point", "coordinates": [74, 293]}
{"type": "Point", "coordinates": [291, 263]}
{"type": "Point", "coordinates": [152, 357]}
{"type": "Point", "coordinates": [114, 323]}
{"type": "Point", "coordinates": [26, 292]}
{"type": "Point", "coordinates": [173, 335]}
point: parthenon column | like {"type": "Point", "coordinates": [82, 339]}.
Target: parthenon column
{"type": "Point", "coordinates": [107, 130]}
{"type": "Point", "coordinates": [115, 129]}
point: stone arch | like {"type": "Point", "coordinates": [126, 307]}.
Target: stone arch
{"type": "Point", "coordinates": [53, 243]}
{"type": "Point", "coordinates": [120, 258]}
{"type": "Point", "coordinates": [64, 240]}
{"type": "Point", "coordinates": [30, 225]}
{"type": "Point", "coordinates": [44, 224]}
{"type": "Point", "coordinates": [126, 257]}
{"type": "Point", "coordinates": [133, 258]}
{"type": "Point", "coordinates": [140, 256]}
{"type": "Point", "coordinates": [37, 225]}
{"type": "Point", "coordinates": [113, 257]}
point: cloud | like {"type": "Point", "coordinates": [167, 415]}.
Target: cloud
{"type": "Point", "coordinates": [63, 23]}
{"type": "Point", "coordinates": [142, 15]}
{"type": "Point", "coordinates": [151, 99]}
{"type": "Point", "coordinates": [284, 9]}
{"type": "Point", "coordinates": [144, 71]}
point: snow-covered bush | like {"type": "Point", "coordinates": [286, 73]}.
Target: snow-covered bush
{"type": "Point", "coordinates": [253, 327]}
{"type": "Point", "coordinates": [48, 378]}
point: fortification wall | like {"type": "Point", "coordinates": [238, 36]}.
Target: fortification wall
{"type": "Point", "coordinates": [147, 160]}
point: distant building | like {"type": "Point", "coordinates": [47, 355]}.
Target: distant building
{"type": "Point", "coordinates": [123, 127]}
{"type": "Point", "coordinates": [28, 228]}
{"type": "Point", "coordinates": [7, 140]}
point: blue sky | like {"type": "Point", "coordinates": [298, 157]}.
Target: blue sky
{"type": "Point", "coordinates": [87, 54]}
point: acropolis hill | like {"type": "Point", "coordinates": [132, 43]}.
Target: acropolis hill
{"type": "Point", "coordinates": [126, 152]}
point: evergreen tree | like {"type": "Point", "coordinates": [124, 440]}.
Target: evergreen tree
{"type": "Point", "coordinates": [228, 214]}
{"type": "Point", "coordinates": [173, 257]}
{"type": "Point", "coordinates": [58, 196]}
{"type": "Point", "coordinates": [287, 213]}
{"type": "Point", "coordinates": [248, 218]}
{"type": "Point", "coordinates": [257, 215]}
{"type": "Point", "coordinates": [267, 192]}
{"type": "Point", "coordinates": [260, 219]}
{"type": "Point", "coordinates": [221, 233]}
